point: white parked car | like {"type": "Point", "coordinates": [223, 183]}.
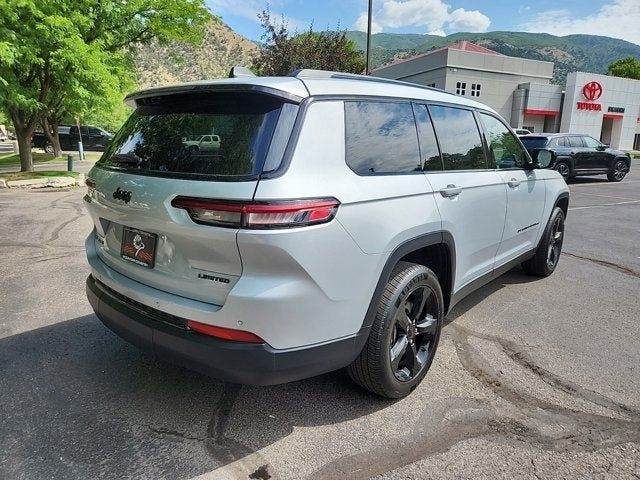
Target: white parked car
{"type": "Point", "coordinates": [203, 143]}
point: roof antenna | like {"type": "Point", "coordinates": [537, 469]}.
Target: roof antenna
{"type": "Point", "coordinates": [239, 72]}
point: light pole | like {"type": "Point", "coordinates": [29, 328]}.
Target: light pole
{"type": "Point", "coordinates": [366, 70]}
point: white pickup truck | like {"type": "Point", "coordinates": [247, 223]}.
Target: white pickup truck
{"type": "Point", "coordinates": [202, 143]}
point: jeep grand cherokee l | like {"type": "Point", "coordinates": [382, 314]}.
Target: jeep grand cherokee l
{"type": "Point", "coordinates": [340, 221]}
{"type": "Point", "coordinates": [581, 155]}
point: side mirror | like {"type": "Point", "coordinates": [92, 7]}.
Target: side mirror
{"type": "Point", "coordinates": [544, 158]}
{"type": "Point", "coordinates": [602, 148]}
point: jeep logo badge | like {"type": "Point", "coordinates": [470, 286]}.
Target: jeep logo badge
{"type": "Point", "coordinates": [123, 195]}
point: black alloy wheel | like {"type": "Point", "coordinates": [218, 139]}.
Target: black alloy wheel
{"type": "Point", "coordinates": [414, 332]}
{"type": "Point", "coordinates": [620, 170]}
{"type": "Point", "coordinates": [555, 242]}
{"type": "Point", "coordinates": [546, 257]}
{"type": "Point", "coordinates": [563, 169]}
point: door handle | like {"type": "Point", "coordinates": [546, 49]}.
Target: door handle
{"type": "Point", "coordinates": [513, 183]}
{"type": "Point", "coordinates": [451, 191]}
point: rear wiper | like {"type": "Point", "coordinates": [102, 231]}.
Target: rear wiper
{"type": "Point", "coordinates": [126, 158]}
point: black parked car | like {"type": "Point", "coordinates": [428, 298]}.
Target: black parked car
{"type": "Point", "coordinates": [93, 138]}
{"type": "Point", "coordinates": [580, 155]}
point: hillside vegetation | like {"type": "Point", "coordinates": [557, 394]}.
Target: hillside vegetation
{"type": "Point", "coordinates": [590, 53]}
{"type": "Point", "coordinates": [221, 49]}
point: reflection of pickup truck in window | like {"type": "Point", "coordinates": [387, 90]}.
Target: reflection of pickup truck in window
{"type": "Point", "coordinates": [202, 143]}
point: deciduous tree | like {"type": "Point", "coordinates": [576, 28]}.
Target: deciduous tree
{"type": "Point", "coordinates": [281, 53]}
{"type": "Point", "coordinates": [626, 67]}
{"type": "Point", "coordinates": [60, 56]}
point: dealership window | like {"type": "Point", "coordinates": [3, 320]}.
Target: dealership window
{"type": "Point", "coordinates": [461, 88]}
{"type": "Point", "coordinates": [381, 138]}
{"type": "Point", "coordinates": [475, 89]}
{"type": "Point", "coordinates": [503, 145]}
{"type": "Point", "coordinates": [459, 138]}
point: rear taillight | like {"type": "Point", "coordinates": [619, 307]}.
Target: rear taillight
{"type": "Point", "coordinates": [229, 334]}
{"type": "Point", "coordinates": [259, 215]}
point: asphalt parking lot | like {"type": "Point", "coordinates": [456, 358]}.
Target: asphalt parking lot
{"type": "Point", "coordinates": [534, 378]}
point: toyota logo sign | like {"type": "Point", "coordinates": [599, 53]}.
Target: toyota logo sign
{"type": "Point", "coordinates": [592, 91]}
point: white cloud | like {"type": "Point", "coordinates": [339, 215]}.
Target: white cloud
{"type": "Point", "coordinates": [435, 15]}
{"type": "Point", "coordinates": [618, 19]}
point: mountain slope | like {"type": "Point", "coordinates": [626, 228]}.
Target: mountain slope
{"type": "Point", "coordinates": [221, 49]}
{"type": "Point", "coordinates": [589, 53]}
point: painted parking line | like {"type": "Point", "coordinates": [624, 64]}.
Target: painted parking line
{"type": "Point", "coordinates": [606, 196]}
{"type": "Point", "coordinates": [605, 205]}
{"type": "Point", "coordinates": [594, 184]}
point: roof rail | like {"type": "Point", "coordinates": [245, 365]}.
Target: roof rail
{"type": "Point", "coordinates": [240, 72]}
{"type": "Point", "coordinates": [319, 74]}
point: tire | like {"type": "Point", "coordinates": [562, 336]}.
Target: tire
{"type": "Point", "coordinates": [619, 170]}
{"type": "Point", "coordinates": [193, 149]}
{"type": "Point", "coordinates": [406, 327]}
{"type": "Point", "coordinates": [564, 169]}
{"type": "Point", "coordinates": [547, 255]}
{"type": "Point", "coordinates": [48, 148]}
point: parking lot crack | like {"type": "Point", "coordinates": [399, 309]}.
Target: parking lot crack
{"type": "Point", "coordinates": [604, 263]}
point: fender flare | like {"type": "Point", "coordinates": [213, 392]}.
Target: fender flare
{"type": "Point", "coordinates": [426, 240]}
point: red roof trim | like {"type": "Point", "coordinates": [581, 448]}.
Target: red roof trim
{"type": "Point", "coordinates": [462, 45]}
{"type": "Point", "coordinates": [533, 111]}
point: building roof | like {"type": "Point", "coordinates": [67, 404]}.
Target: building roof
{"type": "Point", "coordinates": [461, 45]}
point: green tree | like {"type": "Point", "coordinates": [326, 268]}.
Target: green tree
{"type": "Point", "coordinates": [282, 53]}
{"type": "Point", "coordinates": [58, 57]}
{"type": "Point", "coordinates": [626, 67]}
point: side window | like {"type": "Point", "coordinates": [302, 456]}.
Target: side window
{"type": "Point", "coordinates": [431, 159]}
{"type": "Point", "coordinates": [94, 131]}
{"type": "Point", "coordinates": [459, 138]}
{"type": "Point", "coordinates": [591, 142]}
{"type": "Point", "coordinates": [562, 142]}
{"type": "Point", "coordinates": [575, 142]}
{"type": "Point", "coordinates": [503, 145]}
{"type": "Point", "coordinates": [381, 137]}
{"type": "Point", "coordinates": [84, 131]}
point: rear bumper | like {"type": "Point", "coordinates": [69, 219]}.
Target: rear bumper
{"type": "Point", "coordinates": [251, 364]}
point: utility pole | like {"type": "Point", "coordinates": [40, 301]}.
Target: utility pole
{"type": "Point", "coordinates": [366, 70]}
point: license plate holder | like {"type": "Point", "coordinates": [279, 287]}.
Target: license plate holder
{"type": "Point", "coordinates": [138, 247]}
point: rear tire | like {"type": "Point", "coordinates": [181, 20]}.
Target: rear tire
{"type": "Point", "coordinates": [547, 255]}
{"type": "Point", "coordinates": [619, 171]}
{"type": "Point", "coordinates": [404, 335]}
{"type": "Point", "coordinates": [48, 148]}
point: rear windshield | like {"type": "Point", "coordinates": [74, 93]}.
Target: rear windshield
{"type": "Point", "coordinates": [223, 135]}
{"type": "Point", "coordinates": [534, 142]}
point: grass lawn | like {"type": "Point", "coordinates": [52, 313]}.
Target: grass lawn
{"type": "Point", "coordinates": [14, 158]}
{"type": "Point", "coordinates": [43, 174]}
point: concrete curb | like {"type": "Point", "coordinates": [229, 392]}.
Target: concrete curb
{"type": "Point", "coordinates": [56, 182]}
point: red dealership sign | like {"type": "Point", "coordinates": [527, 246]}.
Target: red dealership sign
{"type": "Point", "coordinates": [591, 91]}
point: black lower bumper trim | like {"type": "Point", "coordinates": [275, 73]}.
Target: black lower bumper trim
{"type": "Point", "coordinates": [244, 363]}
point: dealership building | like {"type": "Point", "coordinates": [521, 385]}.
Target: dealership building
{"type": "Point", "coordinates": [520, 89]}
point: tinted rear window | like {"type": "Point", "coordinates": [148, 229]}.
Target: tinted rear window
{"type": "Point", "coordinates": [533, 142]}
{"type": "Point", "coordinates": [220, 135]}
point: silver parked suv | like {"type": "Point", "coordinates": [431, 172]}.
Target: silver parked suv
{"type": "Point", "coordinates": [337, 223]}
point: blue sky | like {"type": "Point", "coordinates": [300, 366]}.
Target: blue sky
{"type": "Point", "coordinates": [615, 18]}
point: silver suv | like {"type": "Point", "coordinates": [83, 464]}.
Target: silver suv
{"type": "Point", "coordinates": [339, 221]}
